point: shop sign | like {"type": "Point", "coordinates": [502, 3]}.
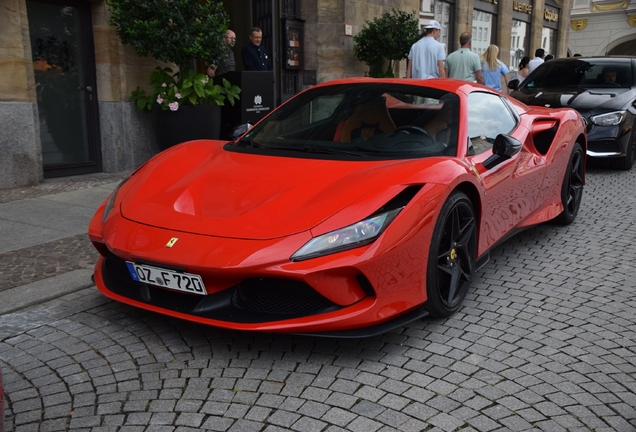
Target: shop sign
{"type": "Point", "coordinates": [549, 15]}
{"type": "Point", "coordinates": [522, 7]}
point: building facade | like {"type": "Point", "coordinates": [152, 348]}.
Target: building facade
{"type": "Point", "coordinates": [64, 106]}
{"type": "Point", "coordinates": [605, 27]}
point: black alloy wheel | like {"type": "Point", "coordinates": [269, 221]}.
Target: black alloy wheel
{"type": "Point", "coordinates": [572, 187]}
{"type": "Point", "coordinates": [452, 256]}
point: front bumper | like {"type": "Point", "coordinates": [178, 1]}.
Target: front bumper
{"type": "Point", "coordinates": [278, 306]}
{"type": "Point", "coordinates": [608, 141]}
{"type": "Point", "coordinates": [253, 286]}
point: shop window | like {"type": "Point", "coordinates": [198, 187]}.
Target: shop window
{"type": "Point", "coordinates": [519, 49]}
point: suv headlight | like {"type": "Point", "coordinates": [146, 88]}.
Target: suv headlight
{"type": "Point", "coordinates": [608, 119]}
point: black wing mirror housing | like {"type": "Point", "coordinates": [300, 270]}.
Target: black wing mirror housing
{"type": "Point", "coordinates": [513, 84]}
{"type": "Point", "coordinates": [503, 149]}
{"type": "Point", "coordinates": [240, 130]}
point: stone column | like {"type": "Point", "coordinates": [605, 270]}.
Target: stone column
{"type": "Point", "coordinates": [463, 22]}
{"type": "Point", "coordinates": [127, 137]}
{"type": "Point", "coordinates": [564, 27]}
{"type": "Point", "coordinates": [504, 30]}
{"type": "Point", "coordinates": [536, 31]}
{"type": "Point", "coordinates": [21, 158]}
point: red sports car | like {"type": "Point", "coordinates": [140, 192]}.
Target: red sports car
{"type": "Point", "coordinates": [355, 207]}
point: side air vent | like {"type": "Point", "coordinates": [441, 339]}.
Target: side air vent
{"type": "Point", "coordinates": [401, 199]}
{"type": "Point", "coordinates": [543, 134]}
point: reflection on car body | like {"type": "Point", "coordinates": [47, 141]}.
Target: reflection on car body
{"type": "Point", "coordinates": [602, 89]}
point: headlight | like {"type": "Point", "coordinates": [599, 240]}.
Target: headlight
{"type": "Point", "coordinates": [609, 119]}
{"type": "Point", "coordinates": [353, 236]}
{"type": "Point", "coordinates": [111, 199]}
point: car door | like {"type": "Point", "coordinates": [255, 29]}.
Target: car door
{"type": "Point", "coordinates": [513, 186]}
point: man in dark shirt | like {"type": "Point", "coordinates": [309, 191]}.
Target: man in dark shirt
{"type": "Point", "coordinates": [254, 55]}
{"type": "Point", "coordinates": [228, 62]}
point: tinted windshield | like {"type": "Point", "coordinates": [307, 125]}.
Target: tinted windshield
{"type": "Point", "coordinates": [362, 121]}
{"type": "Point", "coordinates": [586, 73]}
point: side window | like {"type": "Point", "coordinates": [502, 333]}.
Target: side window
{"type": "Point", "coordinates": [316, 110]}
{"type": "Point", "coordinates": [488, 117]}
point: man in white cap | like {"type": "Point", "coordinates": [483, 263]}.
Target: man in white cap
{"type": "Point", "coordinates": [426, 58]}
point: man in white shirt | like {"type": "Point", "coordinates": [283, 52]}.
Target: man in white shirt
{"type": "Point", "coordinates": [537, 60]}
{"type": "Point", "coordinates": [426, 58]}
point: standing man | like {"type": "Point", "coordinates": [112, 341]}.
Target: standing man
{"type": "Point", "coordinates": [464, 64]}
{"type": "Point", "coordinates": [537, 60]}
{"type": "Point", "coordinates": [426, 58]}
{"type": "Point", "coordinates": [228, 62]}
{"type": "Point", "coordinates": [254, 55]}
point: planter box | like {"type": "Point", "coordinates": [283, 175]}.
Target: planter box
{"type": "Point", "coordinates": [186, 124]}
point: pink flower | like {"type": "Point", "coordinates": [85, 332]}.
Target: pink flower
{"type": "Point", "coordinates": [164, 85]}
{"type": "Point", "coordinates": [174, 106]}
{"type": "Point", "coordinates": [159, 100]}
{"type": "Point", "coordinates": [178, 95]}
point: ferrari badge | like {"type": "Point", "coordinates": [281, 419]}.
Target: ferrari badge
{"type": "Point", "coordinates": [172, 241]}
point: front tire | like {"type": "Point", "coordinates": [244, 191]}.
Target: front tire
{"type": "Point", "coordinates": [452, 256]}
{"type": "Point", "coordinates": [572, 187]}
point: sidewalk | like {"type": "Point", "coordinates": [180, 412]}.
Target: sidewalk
{"type": "Point", "coordinates": [45, 251]}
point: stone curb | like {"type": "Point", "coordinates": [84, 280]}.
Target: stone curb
{"type": "Point", "coordinates": [43, 290]}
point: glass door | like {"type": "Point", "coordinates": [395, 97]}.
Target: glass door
{"type": "Point", "coordinates": [63, 64]}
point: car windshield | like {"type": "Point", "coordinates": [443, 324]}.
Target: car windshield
{"type": "Point", "coordinates": [360, 121]}
{"type": "Point", "coordinates": [584, 73]}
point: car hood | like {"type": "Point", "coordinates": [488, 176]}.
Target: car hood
{"type": "Point", "coordinates": [200, 188]}
{"type": "Point", "coordinates": [585, 101]}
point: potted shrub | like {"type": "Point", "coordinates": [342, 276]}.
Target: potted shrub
{"type": "Point", "coordinates": [185, 104]}
{"type": "Point", "coordinates": [386, 39]}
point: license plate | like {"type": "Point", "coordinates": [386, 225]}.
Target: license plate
{"type": "Point", "coordinates": [186, 282]}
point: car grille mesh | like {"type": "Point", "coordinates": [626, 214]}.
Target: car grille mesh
{"type": "Point", "coordinates": [279, 296]}
{"type": "Point", "coordinates": [604, 146]}
{"type": "Point", "coordinates": [252, 300]}
{"type": "Point", "coordinates": [117, 268]}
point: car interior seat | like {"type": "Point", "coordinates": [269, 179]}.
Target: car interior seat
{"type": "Point", "coordinates": [367, 120]}
{"type": "Point", "coordinates": [443, 127]}
{"type": "Point", "coordinates": [439, 126]}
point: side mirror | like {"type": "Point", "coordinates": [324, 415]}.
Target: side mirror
{"type": "Point", "coordinates": [503, 149]}
{"type": "Point", "coordinates": [240, 130]}
{"type": "Point", "coordinates": [513, 84]}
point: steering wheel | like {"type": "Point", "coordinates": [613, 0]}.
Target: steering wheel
{"type": "Point", "coordinates": [610, 84]}
{"type": "Point", "coordinates": [410, 129]}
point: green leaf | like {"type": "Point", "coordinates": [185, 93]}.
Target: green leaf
{"type": "Point", "coordinates": [171, 31]}
{"type": "Point", "coordinates": [198, 88]}
{"type": "Point", "coordinates": [386, 38]}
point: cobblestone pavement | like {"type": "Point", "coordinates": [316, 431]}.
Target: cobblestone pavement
{"type": "Point", "coordinates": [43, 261]}
{"type": "Point", "coordinates": [546, 341]}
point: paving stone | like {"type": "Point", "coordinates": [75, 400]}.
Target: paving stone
{"type": "Point", "coordinates": [542, 342]}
